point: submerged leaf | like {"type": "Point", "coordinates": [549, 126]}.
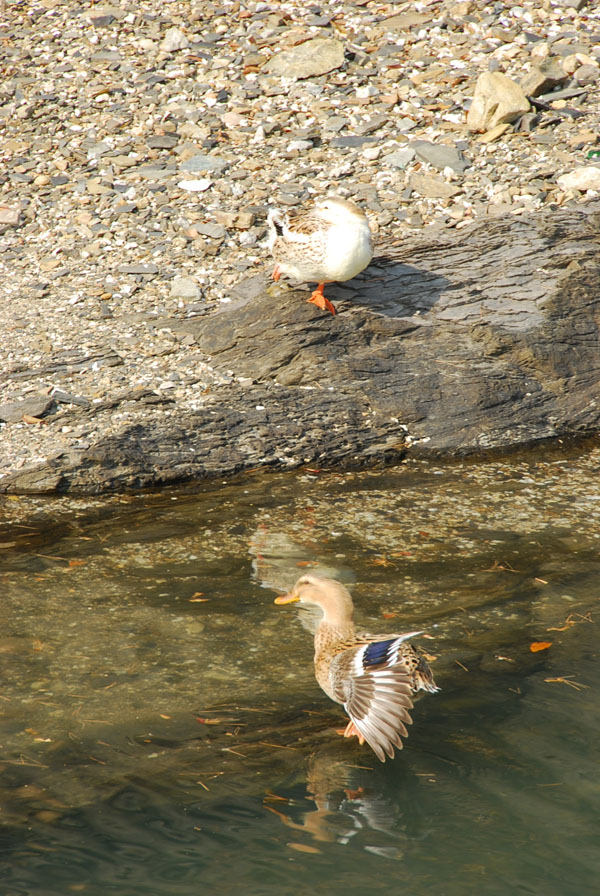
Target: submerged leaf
{"type": "Point", "coordinates": [536, 646]}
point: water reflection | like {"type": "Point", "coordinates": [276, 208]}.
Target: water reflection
{"type": "Point", "coordinates": [162, 730]}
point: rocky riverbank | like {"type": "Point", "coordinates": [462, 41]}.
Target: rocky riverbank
{"type": "Point", "coordinates": [143, 342]}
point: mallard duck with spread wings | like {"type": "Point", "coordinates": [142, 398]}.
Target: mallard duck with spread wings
{"type": "Point", "coordinates": [373, 676]}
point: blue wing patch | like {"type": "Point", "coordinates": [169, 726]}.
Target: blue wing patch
{"type": "Point", "coordinates": [378, 653]}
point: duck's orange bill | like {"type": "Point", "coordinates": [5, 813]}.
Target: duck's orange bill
{"type": "Point", "coordinates": [285, 599]}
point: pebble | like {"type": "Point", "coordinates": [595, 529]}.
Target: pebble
{"type": "Point", "coordinates": [174, 40]}
{"type": "Point", "coordinates": [544, 77]}
{"type": "Point", "coordinates": [308, 59]}
{"type": "Point", "coordinates": [497, 100]}
{"type": "Point", "coordinates": [440, 155]}
{"type": "Point", "coordinates": [585, 178]}
{"type": "Point", "coordinates": [29, 406]}
{"type": "Point", "coordinates": [185, 288]}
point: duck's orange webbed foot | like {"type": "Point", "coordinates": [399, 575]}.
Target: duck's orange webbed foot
{"type": "Point", "coordinates": [276, 272]}
{"type": "Point", "coordinates": [318, 299]}
{"type": "Point", "coordinates": [352, 731]}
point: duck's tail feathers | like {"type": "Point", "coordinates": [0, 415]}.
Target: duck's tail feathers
{"type": "Point", "coordinates": [276, 221]}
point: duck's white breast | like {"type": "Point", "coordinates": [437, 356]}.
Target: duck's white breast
{"type": "Point", "coordinates": [349, 249]}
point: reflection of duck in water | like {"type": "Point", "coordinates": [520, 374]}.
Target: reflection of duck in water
{"type": "Point", "coordinates": [373, 676]}
{"type": "Point", "coordinates": [349, 802]}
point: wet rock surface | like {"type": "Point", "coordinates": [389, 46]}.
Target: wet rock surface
{"type": "Point", "coordinates": [138, 164]}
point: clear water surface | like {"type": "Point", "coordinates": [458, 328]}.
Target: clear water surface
{"type": "Point", "coordinates": [161, 731]}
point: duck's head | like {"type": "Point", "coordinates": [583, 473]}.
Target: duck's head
{"type": "Point", "coordinates": [334, 209]}
{"type": "Point", "coordinates": [331, 596]}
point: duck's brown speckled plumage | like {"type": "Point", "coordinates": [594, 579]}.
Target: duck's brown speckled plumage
{"type": "Point", "coordinates": [373, 676]}
{"type": "Point", "coordinates": [329, 241]}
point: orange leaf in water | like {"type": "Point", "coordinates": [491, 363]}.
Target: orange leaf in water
{"type": "Point", "coordinates": [303, 847]}
{"type": "Point", "coordinates": [536, 646]}
{"type": "Point", "coordinates": [389, 615]}
{"type": "Point", "coordinates": [74, 563]}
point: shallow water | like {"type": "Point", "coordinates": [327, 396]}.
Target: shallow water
{"type": "Point", "coordinates": [162, 732]}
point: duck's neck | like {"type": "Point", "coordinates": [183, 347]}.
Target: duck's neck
{"type": "Point", "coordinates": [329, 635]}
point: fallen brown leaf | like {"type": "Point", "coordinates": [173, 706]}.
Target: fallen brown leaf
{"type": "Point", "coordinates": [536, 646]}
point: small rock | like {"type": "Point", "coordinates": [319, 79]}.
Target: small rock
{"type": "Point", "coordinates": [163, 141]}
{"type": "Point", "coordinates": [32, 406]}
{"type": "Point", "coordinates": [585, 178]}
{"type": "Point", "coordinates": [367, 91]}
{"type": "Point", "coordinates": [299, 145]}
{"type": "Point", "coordinates": [149, 268]}
{"type": "Point", "coordinates": [432, 187]}
{"type": "Point", "coordinates": [204, 164]}
{"type": "Point", "coordinates": [440, 155]}
{"type": "Point", "coordinates": [174, 40]}
{"type": "Point", "coordinates": [215, 231]}
{"type": "Point", "coordinates": [351, 141]}
{"type": "Point", "coordinates": [69, 398]}
{"type": "Point", "coordinates": [543, 77]}
{"type": "Point", "coordinates": [195, 186]}
{"type": "Point", "coordinates": [570, 63]}
{"type": "Point", "coordinates": [586, 74]}
{"type": "Point", "coordinates": [244, 220]}
{"type": "Point", "coordinates": [9, 215]}
{"type": "Point", "coordinates": [400, 158]}
{"type": "Point", "coordinates": [493, 133]}
{"type": "Point", "coordinates": [497, 100]}
{"type": "Point", "coordinates": [313, 57]}
{"type": "Point", "coordinates": [185, 288]}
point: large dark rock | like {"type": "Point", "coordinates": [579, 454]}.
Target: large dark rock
{"type": "Point", "coordinates": [475, 339]}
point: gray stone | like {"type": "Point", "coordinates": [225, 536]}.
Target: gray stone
{"type": "Point", "coordinates": [203, 164]}
{"type": "Point", "coordinates": [215, 231]}
{"type": "Point", "coordinates": [149, 268]}
{"type": "Point", "coordinates": [32, 405]}
{"type": "Point", "coordinates": [543, 77]}
{"type": "Point", "coordinates": [306, 60]}
{"type": "Point", "coordinates": [185, 288]}
{"type": "Point", "coordinates": [440, 155]}
{"type": "Point", "coordinates": [400, 158]}
{"type": "Point", "coordinates": [432, 187]}
{"type": "Point", "coordinates": [352, 141]}
{"type": "Point", "coordinates": [497, 100]}
{"type": "Point", "coordinates": [163, 141]}
{"type": "Point", "coordinates": [68, 398]}
{"type": "Point", "coordinates": [586, 74]}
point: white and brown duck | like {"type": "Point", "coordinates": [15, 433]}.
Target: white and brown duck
{"type": "Point", "coordinates": [329, 242]}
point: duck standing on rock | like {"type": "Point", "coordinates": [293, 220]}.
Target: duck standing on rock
{"type": "Point", "coordinates": [331, 241]}
{"type": "Point", "coordinates": [373, 676]}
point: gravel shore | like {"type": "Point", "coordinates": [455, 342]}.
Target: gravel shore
{"type": "Point", "coordinates": [141, 147]}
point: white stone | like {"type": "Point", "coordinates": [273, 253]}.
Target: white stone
{"type": "Point", "coordinates": [174, 40]}
{"type": "Point", "coordinates": [497, 100]}
{"type": "Point", "coordinates": [195, 186]}
{"type": "Point", "coordinates": [584, 178]}
{"type": "Point", "coordinates": [184, 288]}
